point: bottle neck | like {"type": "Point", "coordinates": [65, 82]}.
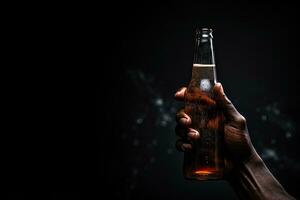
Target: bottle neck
{"type": "Point", "coordinates": [203, 51]}
{"type": "Point", "coordinates": [204, 71]}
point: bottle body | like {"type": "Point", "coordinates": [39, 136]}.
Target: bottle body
{"type": "Point", "coordinates": [206, 160]}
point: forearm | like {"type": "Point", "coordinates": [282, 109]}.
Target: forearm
{"type": "Point", "coordinates": [253, 180]}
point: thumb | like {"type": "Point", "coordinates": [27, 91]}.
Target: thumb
{"type": "Point", "coordinates": [230, 112]}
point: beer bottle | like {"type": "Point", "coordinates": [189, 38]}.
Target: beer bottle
{"type": "Point", "coordinates": [205, 161]}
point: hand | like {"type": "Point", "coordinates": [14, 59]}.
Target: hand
{"type": "Point", "coordinates": [244, 169]}
{"type": "Point", "coordinates": [238, 146]}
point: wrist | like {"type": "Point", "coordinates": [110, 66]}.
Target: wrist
{"type": "Point", "coordinates": [254, 160]}
{"type": "Point", "coordinates": [252, 163]}
{"type": "Point", "coordinates": [243, 178]}
{"type": "Point", "coordinates": [253, 180]}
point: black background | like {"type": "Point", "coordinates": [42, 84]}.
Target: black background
{"type": "Point", "coordinates": [143, 55]}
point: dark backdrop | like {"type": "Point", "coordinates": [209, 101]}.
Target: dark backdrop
{"type": "Point", "coordinates": [151, 48]}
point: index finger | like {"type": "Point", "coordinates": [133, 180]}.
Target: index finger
{"type": "Point", "coordinates": [179, 95]}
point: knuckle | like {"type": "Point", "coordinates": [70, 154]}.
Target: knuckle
{"type": "Point", "coordinates": [241, 120]}
{"type": "Point", "coordinates": [193, 134]}
{"type": "Point", "coordinates": [183, 121]}
{"type": "Point", "coordinates": [179, 114]}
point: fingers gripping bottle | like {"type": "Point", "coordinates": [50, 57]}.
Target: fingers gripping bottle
{"type": "Point", "coordinates": [205, 161]}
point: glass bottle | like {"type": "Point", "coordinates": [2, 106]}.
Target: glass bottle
{"type": "Point", "coordinates": [206, 160]}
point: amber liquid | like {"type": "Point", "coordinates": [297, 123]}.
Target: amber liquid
{"type": "Point", "coordinates": [206, 160]}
